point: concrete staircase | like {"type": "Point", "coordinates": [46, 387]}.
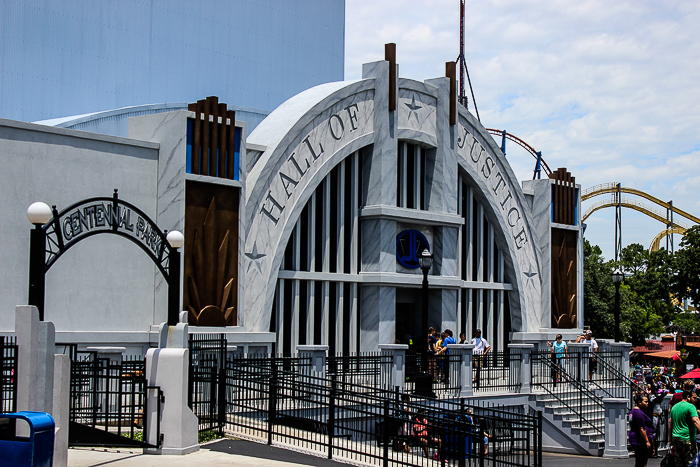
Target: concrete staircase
{"type": "Point", "coordinates": [582, 433]}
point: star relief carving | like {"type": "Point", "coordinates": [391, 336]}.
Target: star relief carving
{"type": "Point", "coordinates": [413, 108]}
{"type": "Point", "coordinates": [254, 256]}
{"type": "Point", "coordinates": [530, 275]}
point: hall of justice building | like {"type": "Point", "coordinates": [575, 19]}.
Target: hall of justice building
{"type": "Point", "coordinates": [308, 230]}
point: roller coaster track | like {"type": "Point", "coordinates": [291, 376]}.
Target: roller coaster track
{"type": "Point", "coordinates": [612, 188]}
{"type": "Point", "coordinates": [674, 227]}
{"type": "Point", "coordinates": [632, 204]}
{"type": "Point", "coordinates": [523, 145]}
{"type": "Point", "coordinates": [657, 240]}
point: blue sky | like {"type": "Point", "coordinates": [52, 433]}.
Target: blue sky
{"type": "Point", "coordinates": [609, 90]}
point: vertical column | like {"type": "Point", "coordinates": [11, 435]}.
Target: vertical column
{"type": "Point", "coordinates": [316, 355]}
{"type": "Point", "coordinates": [36, 342]}
{"type": "Point", "coordinates": [525, 372]}
{"type": "Point", "coordinates": [169, 368]}
{"type": "Point", "coordinates": [615, 428]}
{"type": "Point", "coordinates": [379, 188]}
{"type": "Point", "coordinates": [61, 412]}
{"type": "Point", "coordinates": [465, 368]}
{"type": "Point", "coordinates": [623, 364]}
{"type": "Point", "coordinates": [394, 375]}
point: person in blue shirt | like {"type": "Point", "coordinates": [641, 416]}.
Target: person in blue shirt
{"type": "Point", "coordinates": [559, 353]}
{"type": "Point", "coordinates": [444, 350]}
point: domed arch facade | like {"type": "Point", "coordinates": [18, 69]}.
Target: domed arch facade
{"type": "Point", "coordinates": [338, 183]}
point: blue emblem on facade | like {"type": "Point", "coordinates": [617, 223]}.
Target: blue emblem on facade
{"type": "Point", "coordinates": [409, 246]}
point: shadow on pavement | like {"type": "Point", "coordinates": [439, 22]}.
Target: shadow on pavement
{"type": "Point", "coordinates": [263, 451]}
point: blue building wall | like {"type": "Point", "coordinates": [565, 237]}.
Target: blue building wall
{"type": "Point", "coordinates": [69, 57]}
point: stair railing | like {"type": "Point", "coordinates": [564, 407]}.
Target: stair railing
{"type": "Point", "coordinates": [571, 392]}
{"type": "Point", "coordinates": [626, 387]}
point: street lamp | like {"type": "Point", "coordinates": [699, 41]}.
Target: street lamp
{"type": "Point", "coordinates": [617, 277]}
{"type": "Point", "coordinates": [426, 261]}
{"type": "Point", "coordinates": [38, 214]}
{"type": "Point", "coordinates": [175, 240]}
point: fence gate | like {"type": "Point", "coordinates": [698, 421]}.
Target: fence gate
{"type": "Point", "coordinates": [108, 402]}
{"type": "Point", "coordinates": [8, 374]}
{"type": "Point", "coordinates": [207, 385]}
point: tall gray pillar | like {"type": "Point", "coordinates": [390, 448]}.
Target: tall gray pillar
{"type": "Point", "coordinates": [624, 348]}
{"type": "Point", "coordinates": [37, 343]}
{"type": "Point", "coordinates": [525, 371]}
{"type": "Point", "coordinates": [465, 367]}
{"type": "Point", "coordinates": [394, 374]}
{"type": "Point", "coordinates": [615, 428]}
{"type": "Point", "coordinates": [316, 355]}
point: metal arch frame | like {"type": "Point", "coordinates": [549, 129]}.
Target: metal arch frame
{"type": "Point", "coordinates": [63, 246]}
{"type": "Point", "coordinates": [168, 265]}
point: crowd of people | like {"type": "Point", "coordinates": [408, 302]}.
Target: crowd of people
{"type": "Point", "coordinates": [416, 429]}
{"type": "Point", "coordinates": [437, 349]}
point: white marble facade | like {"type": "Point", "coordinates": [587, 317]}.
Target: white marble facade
{"type": "Point", "coordinates": [301, 143]}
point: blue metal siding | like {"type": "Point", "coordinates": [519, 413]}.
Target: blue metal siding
{"type": "Point", "coordinates": [69, 57]}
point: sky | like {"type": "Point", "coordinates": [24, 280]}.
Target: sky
{"type": "Point", "coordinates": [609, 90]}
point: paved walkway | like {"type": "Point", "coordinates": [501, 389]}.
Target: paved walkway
{"type": "Point", "coordinates": [230, 452]}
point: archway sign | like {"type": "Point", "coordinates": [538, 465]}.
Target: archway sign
{"type": "Point", "coordinates": [102, 215]}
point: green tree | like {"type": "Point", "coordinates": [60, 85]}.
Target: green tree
{"type": "Point", "coordinates": [645, 303]}
{"type": "Point", "coordinates": [649, 276]}
{"type": "Point", "coordinates": [598, 292]}
{"type": "Point", "coordinates": [686, 284]}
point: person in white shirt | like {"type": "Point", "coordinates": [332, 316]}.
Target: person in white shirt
{"type": "Point", "coordinates": [592, 353]}
{"type": "Point", "coordinates": [481, 348]}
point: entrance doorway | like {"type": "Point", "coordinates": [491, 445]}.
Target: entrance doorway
{"type": "Point", "coordinates": [408, 318]}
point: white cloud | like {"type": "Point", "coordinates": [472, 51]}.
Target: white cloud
{"type": "Point", "coordinates": [609, 90]}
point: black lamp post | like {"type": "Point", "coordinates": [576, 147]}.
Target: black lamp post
{"type": "Point", "coordinates": [175, 240]}
{"type": "Point", "coordinates": [426, 261]}
{"type": "Point", "coordinates": [38, 214]}
{"type": "Point", "coordinates": [617, 277]}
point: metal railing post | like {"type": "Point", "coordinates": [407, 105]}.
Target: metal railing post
{"type": "Point", "coordinates": [385, 434]}
{"type": "Point", "coordinates": [222, 399]}
{"type": "Point", "coordinates": [331, 418]}
{"type": "Point", "coordinates": [461, 437]}
{"type": "Point", "coordinates": [480, 440]}
{"type": "Point", "coordinates": [539, 438]}
{"type": "Point", "coordinates": [271, 409]}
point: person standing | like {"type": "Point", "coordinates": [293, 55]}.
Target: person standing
{"type": "Point", "coordinates": [641, 431]}
{"type": "Point", "coordinates": [462, 338]}
{"type": "Point", "coordinates": [481, 348]}
{"type": "Point", "coordinates": [445, 351]}
{"type": "Point", "coordinates": [432, 340]}
{"type": "Point", "coordinates": [592, 354]}
{"type": "Point", "coordinates": [655, 412]}
{"type": "Point", "coordinates": [559, 353]}
{"type": "Point", "coordinates": [683, 425]}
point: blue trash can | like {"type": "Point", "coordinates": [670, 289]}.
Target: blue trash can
{"type": "Point", "coordinates": [33, 451]}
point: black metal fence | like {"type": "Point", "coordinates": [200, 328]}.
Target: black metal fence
{"type": "Point", "coordinates": [371, 425]}
{"type": "Point", "coordinates": [8, 374]}
{"type": "Point", "coordinates": [109, 400]}
{"type": "Point", "coordinates": [207, 374]}
{"type": "Point", "coordinates": [498, 371]}
{"type": "Point", "coordinates": [363, 369]}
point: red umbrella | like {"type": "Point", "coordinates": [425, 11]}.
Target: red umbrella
{"type": "Point", "coordinates": [692, 375]}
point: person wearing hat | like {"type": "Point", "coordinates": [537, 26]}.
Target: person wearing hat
{"type": "Point", "coordinates": [592, 353]}
{"type": "Point", "coordinates": [481, 348]}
